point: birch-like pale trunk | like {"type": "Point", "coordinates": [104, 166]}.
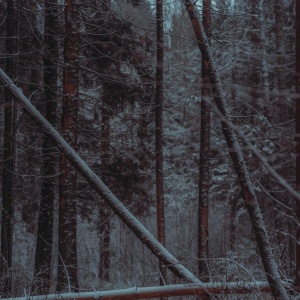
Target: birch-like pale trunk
{"type": "Point", "coordinates": [103, 191]}
{"type": "Point", "coordinates": [270, 266]}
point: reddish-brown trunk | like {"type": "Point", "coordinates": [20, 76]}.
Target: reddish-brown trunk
{"type": "Point", "coordinates": [67, 271]}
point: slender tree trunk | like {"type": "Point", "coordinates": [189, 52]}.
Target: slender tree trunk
{"type": "Point", "coordinates": [280, 59]}
{"type": "Point", "coordinates": [204, 172]}
{"type": "Point", "coordinates": [270, 266]}
{"type": "Point", "coordinates": [8, 161]}
{"type": "Point", "coordinates": [43, 257]}
{"type": "Point", "coordinates": [265, 105]}
{"type": "Point", "coordinates": [104, 210]}
{"type": "Point", "coordinates": [67, 270]}
{"type": "Point", "coordinates": [298, 138]}
{"type": "Point", "coordinates": [159, 133]}
{"type": "Point", "coordinates": [254, 72]}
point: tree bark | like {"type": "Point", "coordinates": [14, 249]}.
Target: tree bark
{"type": "Point", "coordinates": [265, 105]}
{"type": "Point", "coordinates": [8, 149]}
{"type": "Point", "coordinates": [160, 203]}
{"type": "Point", "coordinates": [270, 266]}
{"type": "Point", "coordinates": [255, 41]}
{"type": "Point", "coordinates": [103, 191]}
{"type": "Point", "coordinates": [175, 290]}
{"type": "Point", "coordinates": [279, 23]}
{"type": "Point", "coordinates": [204, 172]}
{"type": "Point", "coordinates": [43, 257]}
{"type": "Point", "coordinates": [67, 269]}
{"type": "Point", "coordinates": [105, 213]}
{"type": "Point", "coordinates": [297, 100]}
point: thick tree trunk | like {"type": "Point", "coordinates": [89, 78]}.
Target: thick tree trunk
{"type": "Point", "coordinates": [44, 245]}
{"type": "Point", "coordinates": [159, 134]}
{"type": "Point", "coordinates": [270, 266]}
{"type": "Point", "coordinates": [204, 172]}
{"type": "Point", "coordinates": [133, 223]}
{"type": "Point", "coordinates": [298, 138]}
{"type": "Point", "coordinates": [8, 161]}
{"type": "Point", "coordinates": [67, 270]}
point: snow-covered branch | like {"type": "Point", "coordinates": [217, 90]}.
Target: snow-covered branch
{"type": "Point", "coordinates": [161, 291]}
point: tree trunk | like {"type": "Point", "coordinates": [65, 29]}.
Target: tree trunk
{"type": "Point", "coordinates": [8, 161]}
{"type": "Point", "coordinates": [204, 172]}
{"type": "Point", "coordinates": [279, 22]}
{"type": "Point", "coordinates": [254, 72]}
{"type": "Point", "coordinates": [270, 266]}
{"type": "Point", "coordinates": [104, 210]}
{"type": "Point", "coordinates": [67, 270]}
{"type": "Point", "coordinates": [265, 105]}
{"type": "Point", "coordinates": [44, 245]}
{"type": "Point", "coordinates": [159, 133]}
{"type": "Point", "coordinates": [298, 138]}
{"type": "Point", "coordinates": [103, 191]}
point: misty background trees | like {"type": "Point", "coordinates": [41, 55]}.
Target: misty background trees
{"type": "Point", "coordinates": [91, 69]}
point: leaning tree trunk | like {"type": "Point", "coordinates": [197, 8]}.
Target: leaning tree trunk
{"type": "Point", "coordinates": [8, 161]}
{"type": "Point", "coordinates": [159, 134]}
{"type": "Point", "coordinates": [43, 257]}
{"type": "Point", "coordinates": [103, 191]}
{"type": "Point", "coordinates": [67, 269]}
{"type": "Point", "coordinates": [204, 172]}
{"type": "Point", "coordinates": [270, 266]}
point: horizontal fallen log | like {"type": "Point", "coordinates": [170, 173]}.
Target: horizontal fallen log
{"type": "Point", "coordinates": [177, 268]}
{"type": "Point", "coordinates": [135, 293]}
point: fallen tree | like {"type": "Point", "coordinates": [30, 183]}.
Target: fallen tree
{"type": "Point", "coordinates": [238, 159]}
{"type": "Point", "coordinates": [161, 291]}
{"type": "Point", "coordinates": [116, 205]}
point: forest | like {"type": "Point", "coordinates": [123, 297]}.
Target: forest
{"type": "Point", "coordinates": [149, 149]}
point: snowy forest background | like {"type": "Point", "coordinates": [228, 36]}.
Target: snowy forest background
{"type": "Point", "coordinates": [253, 45]}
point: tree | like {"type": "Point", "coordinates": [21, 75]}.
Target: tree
{"type": "Point", "coordinates": [8, 160]}
{"type": "Point", "coordinates": [298, 138]}
{"type": "Point", "coordinates": [44, 245]}
{"type": "Point", "coordinates": [204, 172]}
{"type": "Point", "coordinates": [270, 266]}
{"type": "Point", "coordinates": [67, 270]}
{"type": "Point", "coordinates": [159, 133]}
